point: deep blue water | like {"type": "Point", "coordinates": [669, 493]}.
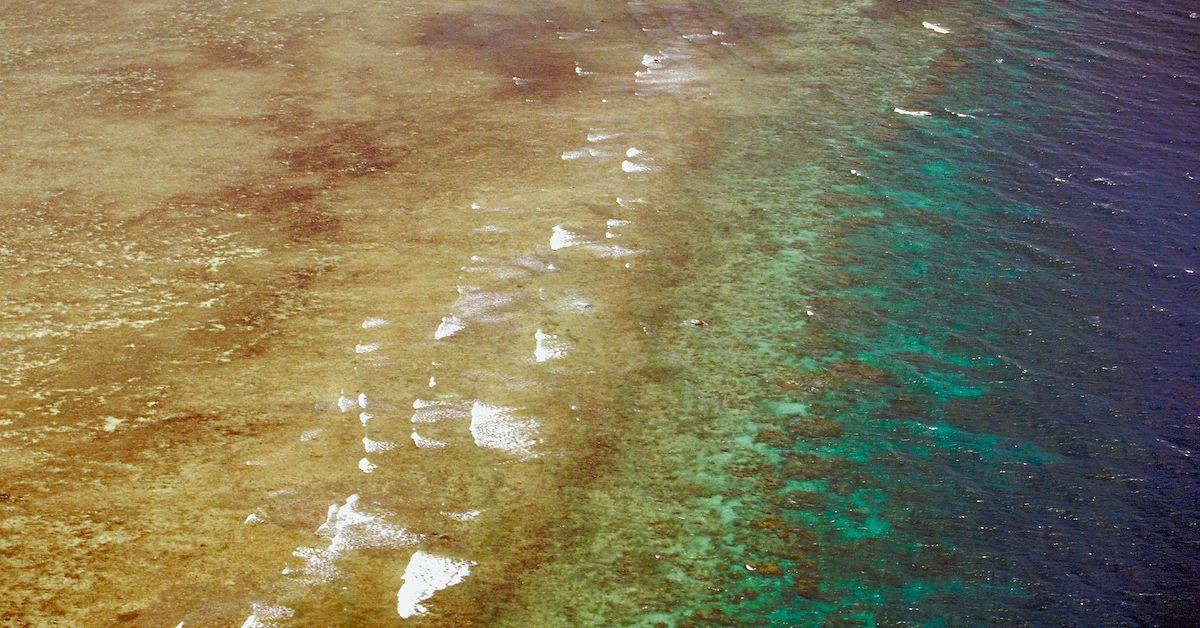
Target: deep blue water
{"type": "Point", "coordinates": [1095, 146]}
{"type": "Point", "coordinates": [1017, 335]}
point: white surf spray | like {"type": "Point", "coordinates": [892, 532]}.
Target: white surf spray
{"type": "Point", "coordinates": [548, 346]}
{"type": "Point", "coordinates": [449, 326]}
{"type": "Point", "coordinates": [427, 443]}
{"type": "Point", "coordinates": [349, 529]}
{"type": "Point", "coordinates": [425, 575]}
{"type": "Point", "coordinates": [560, 238]}
{"type": "Point", "coordinates": [498, 427]}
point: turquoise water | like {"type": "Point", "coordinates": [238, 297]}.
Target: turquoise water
{"type": "Point", "coordinates": [983, 339]}
{"type": "Point", "coordinates": [688, 312]}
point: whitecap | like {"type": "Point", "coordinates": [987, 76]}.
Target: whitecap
{"type": "Point", "coordinates": [366, 466]}
{"type": "Point", "coordinates": [475, 303]}
{"type": "Point", "coordinates": [548, 346]}
{"type": "Point", "coordinates": [612, 224]}
{"type": "Point", "coordinates": [369, 347]}
{"type": "Point", "coordinates": [264, 615]}
{"type": "Point", "coordinates": [425, 575]}
{"type": "Point", "coordinates": [920, 113]}
{"type": "Point", "coordinates": [372, 323]}
{"type": "Point", "coordinates": [569, 155]}
{"type": "Point", "coordinates": [376, 446]}
{"type": "Point", "coordinates": [629, 166]}
{"type": "Point", "coordinates": [467, 515]}
{"type": "Point", "coordinates": [449, 326]}
{"type": "Point", "coordinates": [426, 411]}
{"type": "Point", "coordinates": [427, 443]}
{"type": "Point", "coordinates": [937, 28]}
{"type": "Point", "coordinates": [497, 427]}
{"type": "Point", "coordinates": [561, 238]}
{"type": "Point", "coordinates": [349, 529]}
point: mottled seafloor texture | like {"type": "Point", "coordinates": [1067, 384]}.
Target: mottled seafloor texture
{"type": "Point", "coordinates": [556, 313]}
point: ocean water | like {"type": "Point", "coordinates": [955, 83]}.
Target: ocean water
{"type": "Point", "coordinates": [629, 313]}
{"type": "Point", "coordinates": [993, 416]}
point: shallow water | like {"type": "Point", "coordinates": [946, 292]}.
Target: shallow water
{"type": "Point", "coordinates": [578, 313]}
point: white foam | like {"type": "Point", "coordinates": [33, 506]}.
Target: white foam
{"type": "Point", "coordinates": [264, 615]}
{"type": "Point", "coordinates": [600, 137]}
{"type": "Point", "coordinates": [474, 303]}
{"type": "Point", "coordinates": [611, 251]}
{"type": "Point", "coordinates": [377, 446]}
{"type": "Point", "coordinates": [449, 326]}
{"type": "Point", "coordinates": [561, 238]}
{"type": "Point", "coordinates": [426, 443]}
{"type": "Point", "coordinates": [366, 466]}
{"type": "Point", "coordinates": [308, 435]}
{"type": "Point", "coordinates": [365, 417]}
{"type": "Point", "coordinates": [350, 529]}
{"type": "Point", "coordinates": [425, 575]}
{"type": "Point", "coordinates": [548, 346]}
{"type": "Point", "coordinates": [633, 152]}
{"type": "Point", "coordinates": [432, 381]}
{"type": "Point", "coordinates": [920, 113]}
{"type": "Point", "coordinates": [629, 203]}
{"type": "Point", "coordinates": [937, 28]}
{"type": "Point", "coordinates": [467, 515]}
{"type": "Point", "coordinates": [344, 403]}
{"type": "Point", "coordinates": [629, 166]}
{"type": "Point", "coordinates": [613, 223]}
{"type": "Point", "coordinates": [497, 427]}
{"type": "Point", "coordinates": [659, 76]}
{"type": "Point", "coordinates": [571, 301]}
{"type": "Point", "coordinates": [569, 155]}
{"type": "Point", "coordinates": [510, 268]}
{"type": "Point", "coordinates": [425, 411]}
{"type": "Point", "coordinates": [363, 402]}
{"type": "Point", "coordinates": [369, 347]}
{"type": "Point", "coordinates": [372, 323]}
{"type": "Point", "coordinates": [253, 518]}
